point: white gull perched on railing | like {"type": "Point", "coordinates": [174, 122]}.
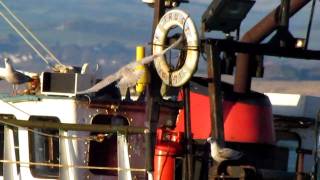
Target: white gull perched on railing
{"type": "Point", "coordinates": [13, 76]}
{"type": "Point", "coordinates": [128, 75]}
{"type": "Point", "coordinates": [219, 154]}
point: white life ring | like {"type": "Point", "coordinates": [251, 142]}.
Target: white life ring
{"type": "Point", "coordinates": [169, 20]}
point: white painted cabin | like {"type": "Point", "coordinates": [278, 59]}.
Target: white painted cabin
{"type": "Point", "coordinates": [21, 147]}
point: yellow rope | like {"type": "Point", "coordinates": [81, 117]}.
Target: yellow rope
{"type": "Point", "coordinates": [73, 166]}
{"type": "Point", "coordinates": [24, 38]}
{"type": "Point", "coordinates": [30, 32]}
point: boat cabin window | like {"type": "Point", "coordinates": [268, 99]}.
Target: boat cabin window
{"type": "Point", "coordinates": [104, 153]}
{"type": "Point", "coordinates": [44, 149]}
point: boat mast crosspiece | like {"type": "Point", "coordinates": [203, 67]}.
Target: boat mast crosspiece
{"type": "Point", "coordinates": [179, 77]}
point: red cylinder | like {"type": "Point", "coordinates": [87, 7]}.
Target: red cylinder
{"type": "Point", "coordinates": [164, 162]}
{"type": "Point", "coordinates": [167, 147]}
{"type": "Point", "coordinates": [248, 119]}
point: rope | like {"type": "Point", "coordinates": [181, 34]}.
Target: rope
{"type": "Point", "coordinates": [25, 39]}
{"type": "Point", "coordinates": [195, 48]}
{"type": "Point", "coordinates": [72, 166]}
{"type": "Point", "coordinates": [30, 33]}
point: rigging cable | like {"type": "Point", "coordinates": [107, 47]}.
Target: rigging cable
{"type": "Point", "coordinates": [25, 39]}
{"type": "Point", "coordinates": [30, 32]}
{"type": "Point", "coordinates": [310, 24]}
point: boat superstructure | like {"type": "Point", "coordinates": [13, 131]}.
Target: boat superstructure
{"type": "Point", "coordinates": [157, 120]}
{"type": "Point", "coordinates": [51, 153]}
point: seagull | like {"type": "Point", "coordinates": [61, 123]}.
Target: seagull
{"type": "Point", "coordinates": [221, 154]}
{"type": "Point", "coordinates": [12, 76]}
{"type": "Point", "coordinates": [127, 76]}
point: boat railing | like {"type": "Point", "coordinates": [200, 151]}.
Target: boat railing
{"type": "Point", "coordinates": [98, 134]}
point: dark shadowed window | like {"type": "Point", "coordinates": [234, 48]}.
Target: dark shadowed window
{"type": "Point", "coordinates": [104, 153]}
{"type": "Point", "coordinates": [44, 149]}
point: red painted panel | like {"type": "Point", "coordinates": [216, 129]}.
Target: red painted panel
{"type": "Point", "coordinates": [244, 122]}
{"type": "Point", "coordinates": [248, 123]}
{"type": "Point", "coordinates": [200, 116]}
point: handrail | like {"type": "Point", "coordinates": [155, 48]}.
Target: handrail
{"type": "Point", "coordinates": [75, 127]}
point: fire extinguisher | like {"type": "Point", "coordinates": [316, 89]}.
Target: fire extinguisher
{"type": "Point", "coordinates": [168, 145]}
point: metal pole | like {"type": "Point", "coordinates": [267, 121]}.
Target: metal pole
{"type": "Point", "coordinates": [159, 10]}
{"type": "Point", "coordinates": [153, 111]}
{"type": "Point", "coordinates": [284, 20]}
{"type": "Point", "coordinates": [215, 98]}
{"type": "Point", "coordinates": [149, 152]}
{"type": "Point", "coordinates": [316, 158]}
{"type": "Point", "coordinates": [188, 132]}
{"type": "Point", "coordinates": [153, 94]}
{"type": "Point", "coordinates": [74, 127]}
{"type": "Point", "coordinates": [263, 49]}
{"type": "Point", "coordinates": [300, 166]}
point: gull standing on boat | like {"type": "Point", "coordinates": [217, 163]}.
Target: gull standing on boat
{"type": "Point", "coordinates": [13, 76]}
{"type": "Point", "coordinates": [221, 154]}
{"type": "Point", "coordinates": [128, 75]}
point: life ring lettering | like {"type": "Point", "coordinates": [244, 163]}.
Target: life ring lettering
{"type": "Point", "coordinates": [169, 20]}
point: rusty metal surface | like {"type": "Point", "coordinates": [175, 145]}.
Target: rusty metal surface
{"type": "Point", "coordinates": [264, 49]}
{"type": "Point", "coordinates": [153, 92]}
{"type": "Point", "coordinates": [188, 133]}
{"type": "Point", "coordinates": [300, 166]}
{"type": "Point", "coordinates": [255, 35]}
{"type": "Point", "coordinates": [215, 98]}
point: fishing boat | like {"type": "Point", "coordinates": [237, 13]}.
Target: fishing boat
{"type": "Point", "coordinates": [155, 120]}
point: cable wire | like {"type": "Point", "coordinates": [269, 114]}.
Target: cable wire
{"type": "Point", "coordinates": [310, 24]}
{"type": "Point", "coordinates": [25, 39]}
{"type": "Point", "coordinates": [30, 32]}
